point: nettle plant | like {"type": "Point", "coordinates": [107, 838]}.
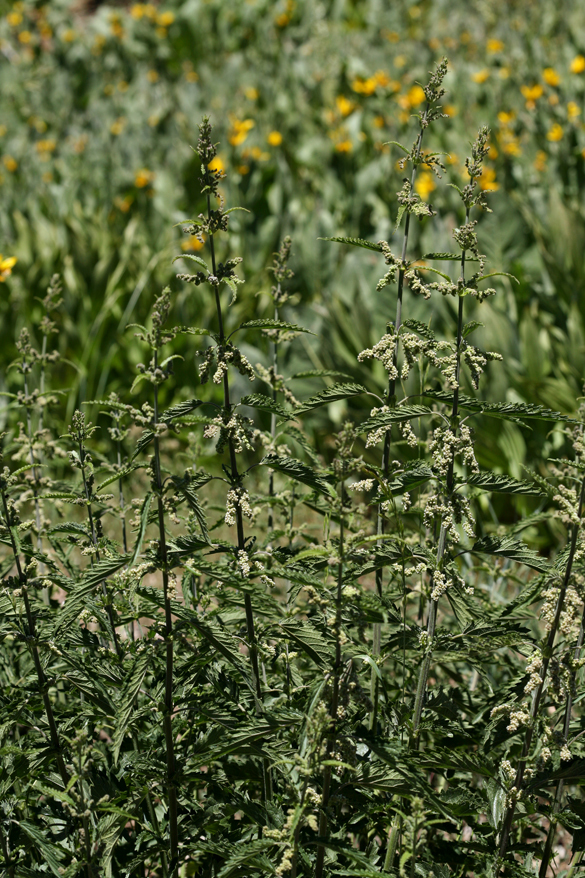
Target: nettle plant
{"type": "Point", "coordinates": [276, 663]}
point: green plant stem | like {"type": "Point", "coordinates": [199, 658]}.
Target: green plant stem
{"type": "Point", "coordinates": [236, 480]}
{"type": "Point", "coordinates": [393, 836]}
{"type": "Point", "coordinates": [109, 609]}
{"type": "Point", "coordinates": [273, 427]}
{"type": "Point", "coordinates": [547, 655]}
{"type": "Point", "coordinates": [547, 852]}
{"type": "Point", "coordinates": [390, 401]}
{"type": "Point", "coordinates": [323, 822]}
{"type": "Point", "coordinates": [168, 714]}
{"type": "Point", "coordinates": [432, 618]}
{"type": "Point", "coordinates": [36, 485]}
{"type": "Point", "coordinates": [6, 854]}
{"type": "Point", "coordinates": [32, 645]}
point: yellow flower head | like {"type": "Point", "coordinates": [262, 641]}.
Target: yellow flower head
{"type": "Point", "coordinates": [152, 76]}
{"type": "Point", "coordinates": [425, 184]}
{"type": "Point", "coordinates": [494, 45]}
{"type": "Point", "coordinates": [14, 19]}
{"type": "Point", "coordinates": [252, 93]}
{"type": "Point", "coordinates": [578, 64]}
{"type": "Point", "coordinates": [216, 164]}
{"type": "Point", "coordinates": [573, 110]}
{"type": "Point", "coordinates": [487, 180]}
{"type": "Point", "coordinates": [239, 130]}
{"type": "Point", "coordinates": [192, 244]}
{"type": "Point", "coordinates": [9, 163]}
{"type": "Point", "coordinates": [6, 266]}
{"type": "Point", "coordinates": [143, 177]}
{"type": "Point", "coordinates": [365, 86]}
{"type": "Point", "coordinates": [505, 118]}
{"type": "Point", "coordinates": [555, 133]}
{"type": "Point", "coordinates": [137, 11]}
{"type": "Point", "coordinates": [118, 126]}
{"type": "Point", "coordinates": [274, 138]}
{"type": "Point", "coordinates": [532, 92]}
{"type": "Point", "coordinates": [540, 160]}
{"type": "Point", "coordinates": [551, 77]}
{"type": "Point", "coordinates": [481, 75]}
{"type": "Point", "coordinates": [165, 19]}
{"type": "Point", "coordinates": [344, 105]}
{"type": "Point", "coordinates": [344, 146]}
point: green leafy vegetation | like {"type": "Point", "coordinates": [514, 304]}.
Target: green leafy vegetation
{"type": "Point", "coordinates": [292, 571]}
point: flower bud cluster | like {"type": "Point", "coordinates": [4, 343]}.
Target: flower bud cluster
{"type": "Point", "coordinates": [237, 498]}
{"type": "Point", "coordinates": [445, 445]}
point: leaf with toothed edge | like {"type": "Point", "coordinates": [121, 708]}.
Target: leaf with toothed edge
{"type": "Point", "coordinates": [356, 242]}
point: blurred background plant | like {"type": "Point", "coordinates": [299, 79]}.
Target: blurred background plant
{"type": "Point", "coordinates": [99, 107]}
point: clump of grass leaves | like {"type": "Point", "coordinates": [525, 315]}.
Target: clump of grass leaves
{"type": "Point", "coordinates": [226, 653]}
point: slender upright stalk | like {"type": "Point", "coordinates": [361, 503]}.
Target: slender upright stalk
{"type": "Point", "coordinates": [168, 714]}
{"type": "Point", "coordinates": [235, 478]}
{"type": "Point", "coordinates": [546, 657]}
{"type": "Point", "coordinates": [432, 617]}
{"type": "Point", "coordinates": [326, 793]}
{"type": "Point", "coordinates": [33, 647]}
{"type": "Point", "coordinates": [391, 402]}
{"type": "Point", "coordinates": [556, 804]}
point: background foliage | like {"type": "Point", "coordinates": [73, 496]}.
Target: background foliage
{"type": "Point", "coordinates": [326, 762]}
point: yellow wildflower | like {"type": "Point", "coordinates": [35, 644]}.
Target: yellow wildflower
{"type": "Point", "coordinates": [165, 19]}
{"type": "Point", "coordinates": [532, 92]}
{"type": "Point", "coordinates": [365, 86]}
{"type": "Point", "coordinates": [540, 160]}
{"type": "Point", "coordinates": [504, 72]}
{"type": "Point", "coordinates": [578, 64]}
{"type": "Point", "coordinates": [252, 93]}
{"type": "Point", "coordinates": [390, 35]}
{"type": "Point", "coordinates": [143, 177]}
{"type": "Point", "coordinates": [274, 138]}
{"type": "Point", "coordinates": [46, 145]}
{"type": "Point", "coordinates": [550, 76]}
{"type": "Point", "coordinates": [512, 147]}
{"type": "Point", "coordinates": [152, 76]}
{"type": "Point", "coordinates": [216, 164]}
{"type": "Point", "coordinates": [450, 110]}
{"type": "Point", "coordinates": [122, 86]}
{"type": "Point", "coordinates": [3, 130]}
{"type": "Point", "coordinates": [9, 163]}
{"type": "Point", "coordinates": [344, 105]}
{"type": "Point", "coordinates": [123, 204]}
{"type": "Point", "coordinates": [192, 244]}
{"type": "Point", "coordinates": [400, 61]}
{"type": "Point", "coordinates": [344, 146]}
{"type": "Point", "coordinates": [504, 118]}
{"type": "Point", "coordinates": [259, 154]}
{"type": "Point", "coordinates": [68, 35]}
{"type": "Point", "coordinates": [487, 180]}
{"type": "Point", "coordinates": [379, 121]}
{"type": "Point", "coordinates": [137, 11]}
{"type": "Point", "coordinates": [243, 170]}
{"type": "Point", "coordinates": [573, 110]}
{"type": "Point", "coordinates": [118, 126]}
{"type": "Point", "coordinates": [149, 11]}
{"type": "Point", "coordinates": [494, 45]}
{"type": "Point", "coordinates": [425, 184]}
{"type": "Point", "coordinates": [25, 37]}
{"type": "Point", "coordinates": [191, 76]}
{"type": "Point", "coordinates": [555, 133]}
{"type": "Point", "coordinates": [413, 97]}
{"type": "Point", "coordinates": [492, 152]}
{"type": "Point", "coordinates": [382, 79]}
{"type": "Point", "coordinates": [239, 130]}
{"type": "Point", "coordinates": [14, 19]}
{"type": "Point", "coordinates": [480, 76]}
{"type": "Point", "coordinates": [6, 266]}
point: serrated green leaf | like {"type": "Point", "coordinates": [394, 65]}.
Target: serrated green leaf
{"type": "Point", "coordinates": [421, 328]}
{"type": "Point", "coordinates": [272, 324]}
{"type": "Point", "coordinates": [143, 442]}
{"type": "Point", "coordinates": [115, 477]}
{"type": "Point", "coordinates": [300, 472]}
{"type": "Point", "coordinates": [331, 394]}
{"type": "Point", "coordinates": [514, 550]}
{"type": "Point", "coordinates": [449, 257]}
{"type": "Point", "coordinates": [356, 242]}
{"type": "Point", "coordinates": [187, 486]}
{"type": "Point", "coordinates": [179, 410]}
{"type": "Point", "coordinates": [501, 484]}
{"type": "Point", "coordinates": [394, 416]}
{"type": "Point", "coordinates": [320, 373]}
{"type": "Point", "coordinates": [265, 404]}
{"type": "Point", "coordinates": [470, 327]}
{"type": "Point", "coordinates": [193, 258]}
{"type": "Point", "coordinates": [514, 411]}
{"type": "Point", "coordinates": [128, 697]}
{"type": "Point", "coordinates": [309, 640]}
